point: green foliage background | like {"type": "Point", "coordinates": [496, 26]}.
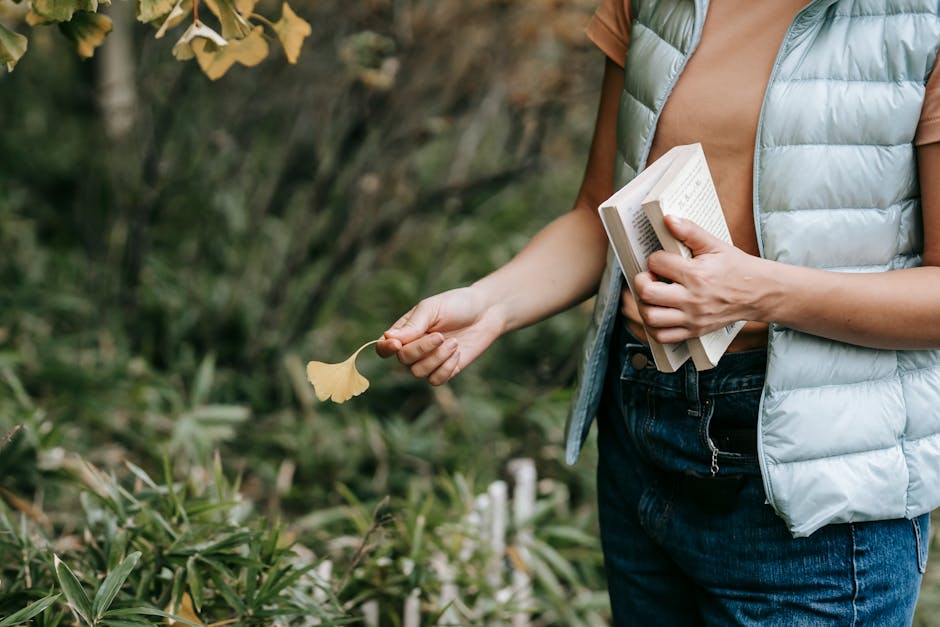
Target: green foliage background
{"type": "Point", "coordinates": [162, 289]}
{"type": "Point", "coordinates": [165, 287]}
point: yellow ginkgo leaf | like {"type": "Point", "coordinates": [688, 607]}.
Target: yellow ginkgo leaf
{"type": "Point", "coordinates": [12, 47]}
{"type": "Point", "coordinates": [245, 7]}
{"type": "Point", "coordinates": [150, 10]}
{"type": "Point", "coordinates": [62, 10]}
{"type": "Point", "coordinates": [216, 60]}
{"type": "Point", "coordinates": [174, 17]}
{"type": "Point", "coordinates": [234, 26]}
{"type": "Point", "coordinates": [87, 31]}
{"type": "Point", "coordinates": [338, 382]}
{"type": "Point", "coordinates": [291, 30]}
{"type": "Point", "coordinates": [183, 49]}
{"type": "Point", "coordinates": [34, 19]}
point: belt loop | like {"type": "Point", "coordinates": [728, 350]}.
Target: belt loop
{"type": "Point", "coordinates": [691, 382]}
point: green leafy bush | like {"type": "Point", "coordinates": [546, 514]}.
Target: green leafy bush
{"type": "Point", "coordinates": [154, 550]}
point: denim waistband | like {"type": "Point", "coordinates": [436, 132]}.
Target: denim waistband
{"type": "Point", "coordinates": [735, 372]}
{"type": "Point", "coordinates": [690, 422]}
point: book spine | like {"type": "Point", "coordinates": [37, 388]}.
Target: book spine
{"type": "Point", "coordinates": [667, 357]}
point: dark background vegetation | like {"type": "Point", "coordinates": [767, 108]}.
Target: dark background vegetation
{"type": "Point", "coordinates": [164, 281]}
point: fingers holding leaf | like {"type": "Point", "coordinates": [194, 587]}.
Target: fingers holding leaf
{"type": "Point", "coordinates": [415, 351]}
{"type": "Point", "coordinates": [432, 360]}
{"type": "Point", "coordinates": [447, 370]}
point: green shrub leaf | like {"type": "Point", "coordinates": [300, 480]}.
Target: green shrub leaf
{"type": "Point", "coordinates": [77, 598]}
{"type": "Point", "coordinates": [112, 584]}
{"type": "Point", "coordinates": [150, 611]}
{"type": "Point", "coordinates": [194, 579]}
{"type": "Point", "coordinates": [28, 612]}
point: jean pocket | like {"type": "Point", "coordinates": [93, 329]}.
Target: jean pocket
{"type": "Point", "coordinates": [921, 526]}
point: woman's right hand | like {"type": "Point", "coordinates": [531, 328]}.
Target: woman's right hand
{"type": "Point", "coordinates": [443, 334]}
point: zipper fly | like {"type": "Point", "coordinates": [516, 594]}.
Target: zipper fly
{"type": "Point", "coordinates": [708, 438]}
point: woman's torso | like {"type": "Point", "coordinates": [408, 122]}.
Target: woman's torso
{"type": "Point", "coordinates": [717, 102]}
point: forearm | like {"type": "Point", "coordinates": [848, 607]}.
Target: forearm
{"type": "Point", "coordinates": [893, 310]}
{"type": "Point", "coordinates": [561, 266]}
{"type": "Point", "coordinates": [720, 284]}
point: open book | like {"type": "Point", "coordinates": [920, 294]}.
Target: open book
{"type": "Point", "coordinates": [679, 184]}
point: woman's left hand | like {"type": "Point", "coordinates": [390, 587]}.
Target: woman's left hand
{"type": "Point", "coordinates": [719, 285]}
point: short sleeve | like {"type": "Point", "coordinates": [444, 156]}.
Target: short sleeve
{"type": "Point", "coordinates": [928, 128]}
{"type": "Point", "coordinates": [609, 29]}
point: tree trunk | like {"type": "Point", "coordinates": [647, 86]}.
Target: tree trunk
{"type": "Point", "coordinates": [117, 90]}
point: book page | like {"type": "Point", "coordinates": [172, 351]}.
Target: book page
{"type": "Point", "coordinates": [691, 194]}
{"type": "Point", "coordinates": [628, 204]}
{"type": "Point", "coordinates": [641, 234]}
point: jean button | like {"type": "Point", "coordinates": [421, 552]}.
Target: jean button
{"type": "Point", "coordinates": [639, 361]}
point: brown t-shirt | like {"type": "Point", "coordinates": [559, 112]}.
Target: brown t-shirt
{"type": "Point", "coordinates": [718, 97]}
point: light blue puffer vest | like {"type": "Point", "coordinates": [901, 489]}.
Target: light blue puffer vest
{"type": "Point", "coordinates": [846, 433]}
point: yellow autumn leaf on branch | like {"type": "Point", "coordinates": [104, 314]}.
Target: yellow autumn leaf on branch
{"type": "Point", "coordinates": [12, 47]}
{"type": "Point", "coordinates": [150, 10]}
{"type": "Point", "coordinates": [34, 19]}
{"type": "Point", "coordinates": [245, 7]}
{"type": "Point", "coordinates": [62, 10]}
{"type": "Point", "coordinates": [174, 17]}
{"type": "Point", "coordinates": [87, 31]}
{"type": "Point", "coordinates": [291, 30]}
{"type": "Point", "coordinates": [338, 382]}
{"type": "Point", "coordinates": [234, 26]}
{"type": "Point", "coordinates": [183, 49]}
{"type": "Point", "coordinates": [216, 60]}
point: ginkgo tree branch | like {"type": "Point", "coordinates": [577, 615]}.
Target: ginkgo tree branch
{"type": "Point", "coordinates": [240, 40]}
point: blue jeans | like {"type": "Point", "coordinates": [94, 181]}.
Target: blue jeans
{"type": "Point", "coordinates": [687, 535]}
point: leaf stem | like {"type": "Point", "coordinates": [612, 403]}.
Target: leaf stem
{"type": "Point", "coordinates": [195, 10]}
{"type": "Point", "coordinates": [359, 350]}
{"type": "Point", "coordinates": [264, 20]}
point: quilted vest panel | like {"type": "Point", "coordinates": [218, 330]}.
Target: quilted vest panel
{"type": "Point", "coordinates": [846, 433]}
